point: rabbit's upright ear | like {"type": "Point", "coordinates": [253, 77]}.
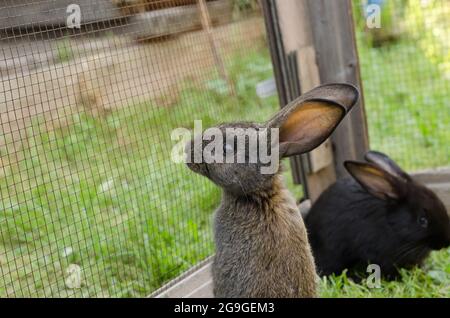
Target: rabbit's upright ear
{"type": "Point", "coordinates": [307, 121]}
{"type": "Point", "coordinates": [387, 164]}
{"type": "Point", "coordinates": [376, 181]}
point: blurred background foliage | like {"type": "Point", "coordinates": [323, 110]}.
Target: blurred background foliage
{"type": "Point", "coordinates": [406, 79]}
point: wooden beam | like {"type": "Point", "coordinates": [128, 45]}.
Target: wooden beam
{"type": "Point", "coordinates": [315, 170]}
{"type": "Point", "coordinates": [206, 24]}
{"type": "Point", "coordinates": [195, 283]}
{"type": "Point", "coordinates": [321, 35]}
{"type": "Point", "coordinates": [333, 33]}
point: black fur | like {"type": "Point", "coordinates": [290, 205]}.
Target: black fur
{"type": "Point", "coordinates": [349, 228]}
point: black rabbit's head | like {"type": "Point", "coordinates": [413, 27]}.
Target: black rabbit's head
{"type": "Point", "coordinates": [231, 154]}
{"type": "Point", "coordinates": [415, 212]}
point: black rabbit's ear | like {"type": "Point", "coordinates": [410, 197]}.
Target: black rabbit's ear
{"type": "Point", "coordinates": [375, 180]}
{"type": "Point", "coordinates": [309, 120]}
{"type": "Point", "coordinates": [387, 164]}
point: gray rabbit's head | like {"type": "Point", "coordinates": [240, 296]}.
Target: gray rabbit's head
{"type": "Point", "coordinates": [243, 157]}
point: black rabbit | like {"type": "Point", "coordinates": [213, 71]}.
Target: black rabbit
{"type": "Point", "coordinates": [380, 217]}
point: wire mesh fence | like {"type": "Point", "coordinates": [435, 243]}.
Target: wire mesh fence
{"type": "Point", "coordinates": [91, 203]}
{"type": "Point", "coordinates": [405, 65]}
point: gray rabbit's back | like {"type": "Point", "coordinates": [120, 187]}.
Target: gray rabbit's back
{"type": "Point", "coordinates": [262, 247]}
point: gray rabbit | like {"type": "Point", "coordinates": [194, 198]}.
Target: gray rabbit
{"type": "Point", "coordinates": [262, 247]}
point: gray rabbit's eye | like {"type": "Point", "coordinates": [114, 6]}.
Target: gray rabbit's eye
{"type": "Point", "coordinates": [423, 221]}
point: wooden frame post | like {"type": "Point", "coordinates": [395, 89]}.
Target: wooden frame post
{"type": "Point", "coordinates": [320, 35]}
{"type": "Point", "coordinates": [333, 32]}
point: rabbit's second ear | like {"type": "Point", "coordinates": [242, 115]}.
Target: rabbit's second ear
{"type": "Point", "coordinates": [375, 180]}
{"type": "Point", "coordinates": [387, 164]}
{"type": "Point", "coordinates": [309, 120]}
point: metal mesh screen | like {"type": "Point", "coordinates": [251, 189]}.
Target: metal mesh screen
{"type": "Point", "coordinates": [405, 65]}
{"type": "Point", "coordinates": [91, 203]}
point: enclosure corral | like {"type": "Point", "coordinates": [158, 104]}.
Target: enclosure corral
{"type": "Point", "coordinates": [91, 204]}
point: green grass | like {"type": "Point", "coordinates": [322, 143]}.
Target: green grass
{"type": "Point", "coordinates": [103, 193]}
{"type": "Point", "coordinates": [64, 51]}
{"type": "Point", "coordinates": [432, 280]}
{"type": "Point", "coordinates": [406, 98]}
{"type": "Point", "coordinates": [406, 85]}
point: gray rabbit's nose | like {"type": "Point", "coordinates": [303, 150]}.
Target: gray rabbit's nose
{"type": "Point", "coordinates": [194, 156]}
